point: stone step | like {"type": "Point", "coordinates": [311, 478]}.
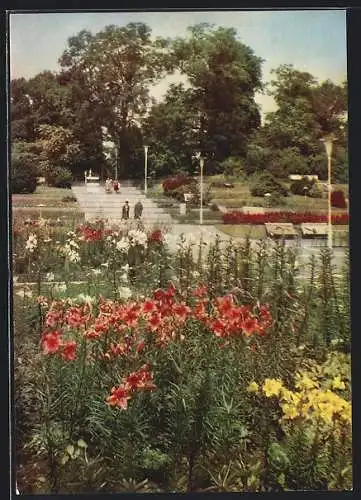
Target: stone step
{"type": "Point", "coordinates": [146, 210]}
{"type": "Point", "coordinates": [96, 203]}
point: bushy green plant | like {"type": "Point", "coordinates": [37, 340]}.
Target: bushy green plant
{"type": "Point", "coordinates": [60, 177]}
{"type": "Point", "coordinates": [288, 161]}
{"type": "Point", "coordinates": [264, 182]}
{"type": "Point", "coordinates": [233, 166]}
{"type": "Point", "coordinates": [316, 191]}
{"type": "Point", "coordinates": [302, 186]}
{"type": "Point", "coordinates": [23, 176]}
{"type": "Point", "coordinates": [276, 200]}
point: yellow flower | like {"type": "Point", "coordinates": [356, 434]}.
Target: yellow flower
{"type": "Point", "coordinates": [346, 415]}
{"type": "Point", "coordinates": [272, 387]}
{"type": "Point", "coordinates": [325, 411]}
{"type": "Point", "coordinates": [305, 382]}
{"type": "Point", "coordinates": [290, 397]}
{"type": "Point", "coordinates": [289, 411]}
{"type": "Point", "coordinates": [253, 387]}
{"type": "Point", "coordinates": [337, 383]}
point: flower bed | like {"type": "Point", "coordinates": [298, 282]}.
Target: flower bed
{"type": "Point", "coordinates": [159, 371]}
{"type": "Point", "coordinates": [237, 217]}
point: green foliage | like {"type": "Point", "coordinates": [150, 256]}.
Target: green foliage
{"type": "Point", "coordinates": [258, 154]}
{"type": "Point", "coordinates": [302, 187]}
{"type": "Point", "coordinates": [289, 142]}
{"type": "Point", "coordinates": [60, 177]}
{"type": "Point", "coordinates": [316, 191]}
{"type": "Point", "coordinates": [169, 129]}
{"type": "Point", "coordinates": [263, 183]}
{"type": "Point", "coordinates": [287, 161]}
{"type": "Point", "coordinates": [58, 150]}
{"type": "Point", "coordinates": [276, 200]}
{"type": "Point", "coordinates": [120, 54]}
{"type": "Point", "coordinates": [23, 174]}
{"type": "Point", "coordinates": [224, 74]}
{"type": "Point", "coordinates": [233, 166]}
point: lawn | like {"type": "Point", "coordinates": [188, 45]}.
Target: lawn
{"type": "Point", "coordinates": [48, 196]}
{"type": "Point", "coordinates": [240, 195]}
{"type": "Point", "coordinates": [26, 207]}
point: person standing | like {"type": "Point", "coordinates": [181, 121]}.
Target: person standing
{"type": "Point", "coordinates": [125, 211]}
{"type": "Point", "coordinates": [138, 210]}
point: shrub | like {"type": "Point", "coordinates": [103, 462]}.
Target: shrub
{"type": "Point", "coordinates": [338, 199]}
{"type": "Point", "coordinates": [302, 185]}
{"type": "Point", "coordinates": [23, 177]}
{"type": "Point", "coordinates": [264, 182]}
{"type": "Point", "coordinates": [214, 207]}
{"type": "Point", "coordinates": [60, 177]}
{"type": "Point", "coordinates": [316, 191]}
{"type": "Point", "coordinates": [232, 166]}
{"type": "Point", "coordinates": [276, 200]}
{"type": "Point", "coordinates": [286, 161]}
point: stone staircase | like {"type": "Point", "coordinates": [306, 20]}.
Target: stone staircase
{"type": "Point", "coordinates": [96, 203]}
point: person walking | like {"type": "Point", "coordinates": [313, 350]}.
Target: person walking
{"type": "Point", "coordinates": [138, 209]}
{"type": "Point", "coordinates": [125, 211]}
{"type": "Point", "coordinates": [108, 185]}
{"type": "Point", "coordinates": [116, 186]}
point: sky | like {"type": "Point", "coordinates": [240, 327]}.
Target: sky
{"type": "Point", "coordinates": [311, 40]}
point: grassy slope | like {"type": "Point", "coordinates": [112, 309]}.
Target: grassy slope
{"type": "Point", "coordinates": [50, 197]}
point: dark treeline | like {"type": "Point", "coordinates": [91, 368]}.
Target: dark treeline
{"type": "Point", "coordinates": [105, 80]}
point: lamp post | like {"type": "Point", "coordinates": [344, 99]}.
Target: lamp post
{"type": "Point", "coordinates": [328, 142]}
{"type": "Point", "coordinates": [201, 164]}
{"type": "Point", "coordinates": [116, 162]}
{"type": "Point", "coordinates": [145, 169]}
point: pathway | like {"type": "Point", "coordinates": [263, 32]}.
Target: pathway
{"type": "Point", "coordinates": [96, 203]}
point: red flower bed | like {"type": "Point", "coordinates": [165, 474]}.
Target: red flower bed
{"type": "Point", "coordinates": [89, 233]}
{"type": "Point", "coordinates": [116, 329]}
{"type": "Point", "coordinates": [156, 236]}
{"type": "Point", "coordinates": [236, 217]}
{"type": "Point", "coordinates": [176, 182]}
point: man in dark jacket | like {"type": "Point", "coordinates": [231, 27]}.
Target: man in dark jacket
{"type": "Point", "coordinates": [125, 211]}
{"type": "Point", "coordinates": [138, 209]}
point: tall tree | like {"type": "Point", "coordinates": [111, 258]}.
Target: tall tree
{"type": "Point", "coordinates": [115, 68]}
{"type": "Point", "coordinates": [57, 148]}
{"type": "Point", "coordinates": [22, 124]}
{"type": "Point", "coordinates": [306, 112]}
{"type": "Point", "coordinates": [171, 131]}
{"type": "Point", "coordinates": [224, 75]}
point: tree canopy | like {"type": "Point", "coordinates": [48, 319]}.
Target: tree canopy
{"type": "Point", "coordinates": [106, 79]}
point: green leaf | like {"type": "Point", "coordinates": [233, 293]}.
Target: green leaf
{"type": "Point", "coordinates": [281, 479]}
